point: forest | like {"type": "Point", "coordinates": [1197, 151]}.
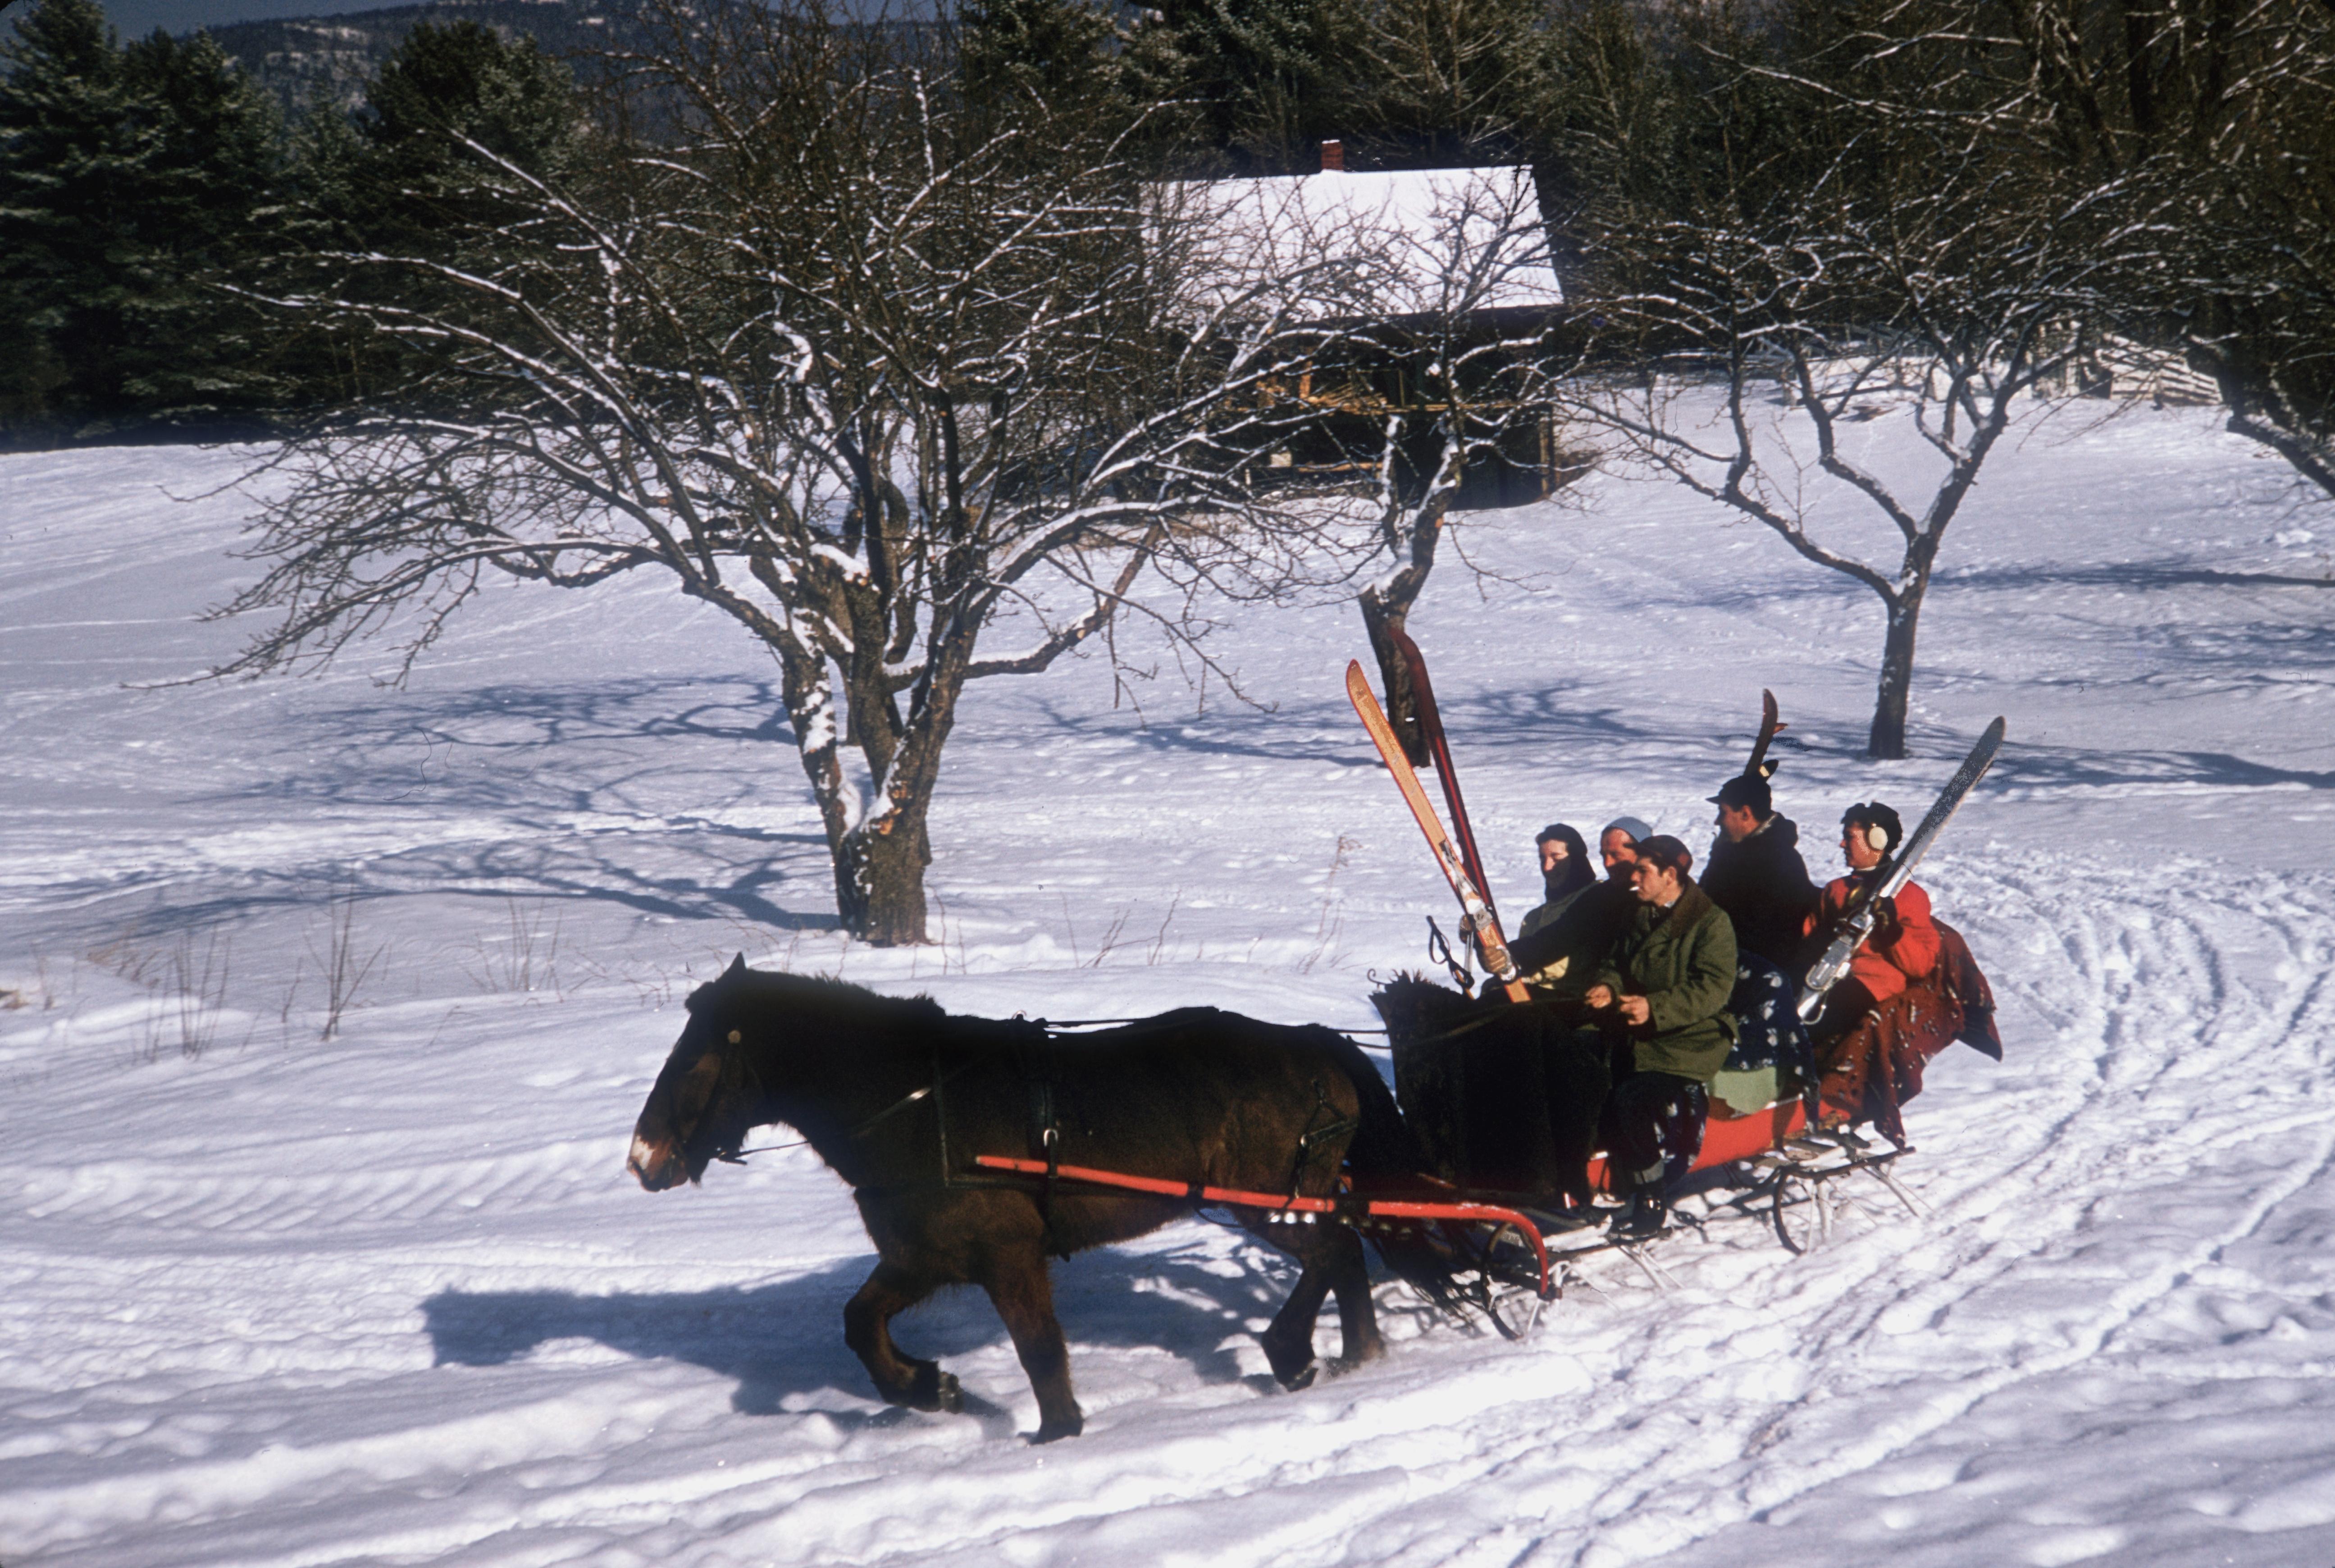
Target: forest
{"type": "Point", "coordinates": [1707, 167]}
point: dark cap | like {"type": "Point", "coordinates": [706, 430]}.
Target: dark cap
{"type": "Point", "coordinates": [1745, 789]}
{"type": "Point", "coordinates": [1666, 852]}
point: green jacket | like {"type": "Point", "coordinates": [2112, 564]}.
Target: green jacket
{"type": "Point", "coordinates": [1681, 960]}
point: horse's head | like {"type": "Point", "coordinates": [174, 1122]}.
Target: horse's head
{"type": "Point", "coordinates": [700, 1104]}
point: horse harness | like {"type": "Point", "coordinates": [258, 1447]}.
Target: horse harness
{"type": "Point", "coordinates": [1034, 1052]}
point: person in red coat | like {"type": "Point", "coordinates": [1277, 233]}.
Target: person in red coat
{"type": "Point", "coordinates": [1902, 953]}
{"type": "Point", "coordinates": [1904, 947]}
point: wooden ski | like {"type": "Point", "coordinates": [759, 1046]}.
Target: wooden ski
{"type": "Point", "coordinates": [1438, 752]}
{"type": "Point", "coordinates": [1487, 924]}
{"type": "Point", "coordinates": [1768, 727]}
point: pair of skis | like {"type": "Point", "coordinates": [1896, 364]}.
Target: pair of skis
{"type": "Point", "coordinates": [1463, 868]}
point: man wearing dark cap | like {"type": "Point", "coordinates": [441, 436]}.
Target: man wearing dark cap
{"type": "Point", "coordinates": [1755, 873]}
{"type": "Point", "coordinates": [1663, 988]}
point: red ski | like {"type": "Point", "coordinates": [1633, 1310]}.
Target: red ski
{"type": "Point", "coordinates": [1438, 752]}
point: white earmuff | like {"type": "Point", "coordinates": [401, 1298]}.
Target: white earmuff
{"type": "Point", "coordinates": [1876, 837]}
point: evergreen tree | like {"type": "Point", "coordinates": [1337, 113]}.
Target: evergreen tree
{"type": "Point", "coordinates": [450, 104]}
{"type": "Point", "coordinates": [1269, 79]}
{"type": "Point", "coordinates": [130, 178]}
{"type": "Point", "coordinates": [70, 150]}
{"type": "Point", "coordinates": [1054, 53]}
{"type": "Point", "coordinates": [424, 169]}
{"type": "Point", "coordinates": [208, 203]}
{"type": "Point", "coordinates": [1451, 80]}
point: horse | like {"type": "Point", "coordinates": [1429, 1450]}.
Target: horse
{"type": "Point", "coordinates": [897, 1097]}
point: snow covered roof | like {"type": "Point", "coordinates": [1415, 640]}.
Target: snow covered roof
{"type": "Point", "coordinates": [1434, 241]}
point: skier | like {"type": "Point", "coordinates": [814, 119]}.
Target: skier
{"type": "Point", "coordinates": [1900, 954]}
{"type": "Point", "coordinates": [1663, 991]}
{"type": "Point", "coordinates": [1755, 872]}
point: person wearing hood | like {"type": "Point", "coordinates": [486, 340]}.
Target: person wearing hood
{"type": "Point", "coordinates": [1864, 1006]}
{"type": "Point", "coordinates": [1566, 874]}
{"type": "Point", "coordinates": [1580, 917]}
{"type": "Point", "coordinates": [1756, 875]}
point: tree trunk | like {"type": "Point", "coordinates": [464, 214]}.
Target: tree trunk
{"type": "Point", "coordinates": [879, 865]}
{"type": "Point", "coordinates": [1887, 742]}
{"type": "Point", "coordinates": [879, 882]}
{"type": "Point", "coordinates": [1385, 625]}
{"type": "Point", "coordinates": [1410, 529]}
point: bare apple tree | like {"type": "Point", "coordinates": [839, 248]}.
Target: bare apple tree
{"type": "Point", "coordinates": [875, 369]}
{"type": "Point", "coordinates": [1893, 258]}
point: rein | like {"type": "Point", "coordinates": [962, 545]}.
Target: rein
{"type": "Point", "coordinates": [1052, 1023]}
{"type": "Point", "coordinates": [915, 1096]}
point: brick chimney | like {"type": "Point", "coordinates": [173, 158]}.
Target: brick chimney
{"type": "Point", "coordinates": [1333, 157]}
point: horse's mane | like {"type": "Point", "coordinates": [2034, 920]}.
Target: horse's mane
{"type": "Point", "coordinates": [1413, 1006]}
{"type": "Point", "coordinates": [837, 1000]}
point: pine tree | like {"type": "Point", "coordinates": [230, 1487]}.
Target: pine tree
{"type": "Point", "coordinates": [433, 166]}
{"type": "Point", "coordinates": [1273, 78]}
{"type": "Point", "coordinates": [208, 203]}
{"type": "Point", "coordinates": [71, 150]}
{"type": "Point", "coordinates": [130, 179]}
{"type": "Point", "coordinates": [449, 104]}
{"type": "Point", "coordinates": [1047, 52]}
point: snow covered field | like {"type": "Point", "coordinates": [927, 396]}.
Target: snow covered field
{"type": "Point", "coordinates": [267, 1299]}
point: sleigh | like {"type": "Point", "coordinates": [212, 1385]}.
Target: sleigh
{"type": "Point", "coordinates": [1507, 1247]}
{"type": "Point", "coordinates": [1461, 1071]}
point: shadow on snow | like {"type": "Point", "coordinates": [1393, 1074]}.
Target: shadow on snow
{"type": "Point", "coordinates": [784, 1339]}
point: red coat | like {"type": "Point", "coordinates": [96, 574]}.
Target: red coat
{"type": "Point", "coordinates": [1884, 965]}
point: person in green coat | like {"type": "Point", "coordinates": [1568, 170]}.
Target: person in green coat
{"type": "Point", "coordinates": [1663, 988]}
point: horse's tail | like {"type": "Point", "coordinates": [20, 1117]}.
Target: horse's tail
{"type": "Point", "coordinates": [1385, 1156]}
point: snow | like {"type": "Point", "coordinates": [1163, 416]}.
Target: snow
{"type": "Point", "coordinates": [1443, 240]}
{"type": "Point", "coordinates": [269, 1301]}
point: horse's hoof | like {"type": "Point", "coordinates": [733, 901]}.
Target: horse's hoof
{"type": "Point", "coordinates": [1301, 1378]}
{"type": "Point", "coordinates": [1054, 1431]}
{"type": "Point", "coordinates": [935, 1389]}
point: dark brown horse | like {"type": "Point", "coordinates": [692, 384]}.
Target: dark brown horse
{"type": "Point", "coordinates": [899, 1097]}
